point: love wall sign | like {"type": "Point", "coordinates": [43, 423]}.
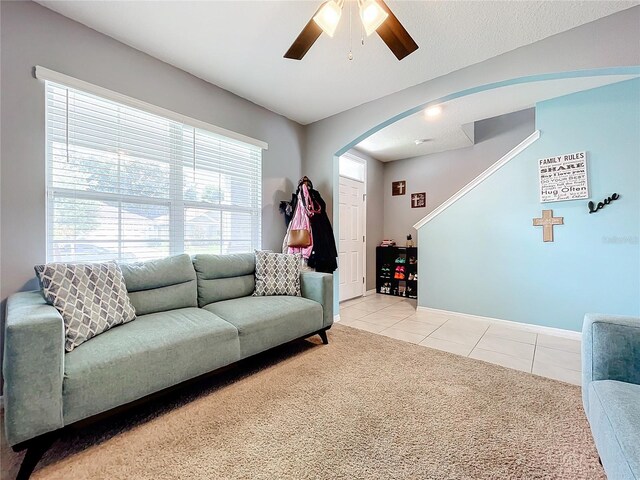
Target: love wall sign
{"type": "Point", "coordinates": [593, 208]}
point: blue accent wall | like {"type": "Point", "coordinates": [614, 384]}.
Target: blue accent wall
{"type": "Point", "coordinates": [482, 255]}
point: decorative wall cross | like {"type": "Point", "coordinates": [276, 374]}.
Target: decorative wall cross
{"type": "Point", "coordinates": [547, 222]}
{"type": "Point", "coordinates": [399, 188]}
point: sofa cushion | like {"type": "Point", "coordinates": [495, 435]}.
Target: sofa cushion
{"type": "Point", "coordinates": [264, 322]}
{"type": "Point", "coordinates": [614, 415]}
{"type": "Point", "coordinates": [161, 285]}
{"type": "Point", "coordinates": [222, 277]}
{"type": "Point", "coordinates": [91, 298]}
{"type": "Point", "coordinates": [141, 357]}
{"type": "Point", "coordinates": [277, 274]}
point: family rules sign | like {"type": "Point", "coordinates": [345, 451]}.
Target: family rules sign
{"type": "Point", "coordinates": [563, 177]}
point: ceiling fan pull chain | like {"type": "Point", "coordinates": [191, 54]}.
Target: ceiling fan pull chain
{"type": "Point", "coordinates": [350, 56]}
{"type": "Point", "coordinates": [194, 154]}
{"type": "Point", "coordinates": [362, 35]}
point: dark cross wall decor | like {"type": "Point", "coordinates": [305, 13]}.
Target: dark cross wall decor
{"type": "Point", "coordinates": [547, 223]}
{"type": "Point", "coordinates": [419, 200]}
{"type": "Point", "coordinates": [399, 188]}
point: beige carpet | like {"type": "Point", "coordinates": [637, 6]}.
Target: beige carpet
{"type": "Point", "coordinates": [363, 407]}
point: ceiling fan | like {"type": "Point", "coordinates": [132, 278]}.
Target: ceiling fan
{"type": "Point", "coordinates": [376, 16]}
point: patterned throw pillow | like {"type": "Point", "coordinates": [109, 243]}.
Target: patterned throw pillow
{"type": "Point", "coordinates": [277, 274]}
{"type": "Point", "coordinates": [91, 298]}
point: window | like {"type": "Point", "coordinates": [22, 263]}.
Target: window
{"type": "Point", "coordinates": [352, 167]}
{"type": "Point", "coordinates": [125, 184]}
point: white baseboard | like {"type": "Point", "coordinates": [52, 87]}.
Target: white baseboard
{"type": "Point", "coordinates": [370, 292]}
{"type": "Point", "coordinates": [556, 332]}
{"type": "Point", "coordinates": [336, 318]}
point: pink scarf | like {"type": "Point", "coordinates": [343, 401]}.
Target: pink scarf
{"type": "Point", "coordinates": [300, 221]}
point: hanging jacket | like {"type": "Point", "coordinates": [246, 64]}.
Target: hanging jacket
{"type": "Point", "coordinates": [324, 254]}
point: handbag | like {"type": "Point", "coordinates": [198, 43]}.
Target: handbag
{"type": "Point", "coordinates": [299, 238]}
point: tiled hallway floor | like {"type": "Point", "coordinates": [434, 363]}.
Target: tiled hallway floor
{"type": "Point", "coordinates": [545, 355]}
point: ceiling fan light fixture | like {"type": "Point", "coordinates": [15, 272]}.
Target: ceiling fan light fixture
{"type": "Point", "coordinates": [372, 15]}
{"type": "Point", "coordinates": [328, 16]}
{"type": "Point", "coordinates": [375, 16]}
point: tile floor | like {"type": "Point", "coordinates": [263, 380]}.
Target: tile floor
{"type": "Point", "coordinates": [545, 355]}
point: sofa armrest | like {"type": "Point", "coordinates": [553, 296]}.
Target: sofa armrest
{"type": "Point", "coordinates": [319, 287]}
{"type": "Point", "coordinates": [610, 350]}
{"type": "Point", "coordinates": [33, 367]}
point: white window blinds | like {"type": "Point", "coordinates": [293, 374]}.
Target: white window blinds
{"type": "Point", "coordinates": [125, 184]}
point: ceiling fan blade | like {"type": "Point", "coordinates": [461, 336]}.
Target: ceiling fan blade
{"type": "Point", "coordinates": [305, 40]}
{"type": "Point", "coordinates": [394, 35]}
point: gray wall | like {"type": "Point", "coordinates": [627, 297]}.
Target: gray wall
{"type": "Point", "coordinates": [609, 42]}
{"type": "Point", "coordinates": [375, 212]}
{"type": "Point", "coordinates": [33, 35]}
{"type": "Point", "coordinates": [441, 175]}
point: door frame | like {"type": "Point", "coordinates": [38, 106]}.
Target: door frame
{"type": "Point", "coordinates": [363, 162]}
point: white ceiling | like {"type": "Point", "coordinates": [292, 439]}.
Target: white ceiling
{"type": "Point", "coordinates": [445, 132]}
{"type": "Point", "coordinates": [238, 45]}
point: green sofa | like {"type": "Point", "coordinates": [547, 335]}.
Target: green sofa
{"type": "Point", "coordinates": [194, 315]}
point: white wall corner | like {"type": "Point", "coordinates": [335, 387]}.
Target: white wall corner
{"type": "Point", "coordinates": [480, 178]}
{"type": "Point", "coordinates": [529, 327]}
{"type": "Point", "coordinates": [469, 130]}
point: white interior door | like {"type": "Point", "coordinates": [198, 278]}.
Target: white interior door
{"type": "Point", "coordinates": [352, 239]}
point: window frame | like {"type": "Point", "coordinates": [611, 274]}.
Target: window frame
{"type": "Point", "coordinates": [175, 202]}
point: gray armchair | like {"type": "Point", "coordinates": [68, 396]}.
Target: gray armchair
{"type": "Point", "coordinates": [611, 391]}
